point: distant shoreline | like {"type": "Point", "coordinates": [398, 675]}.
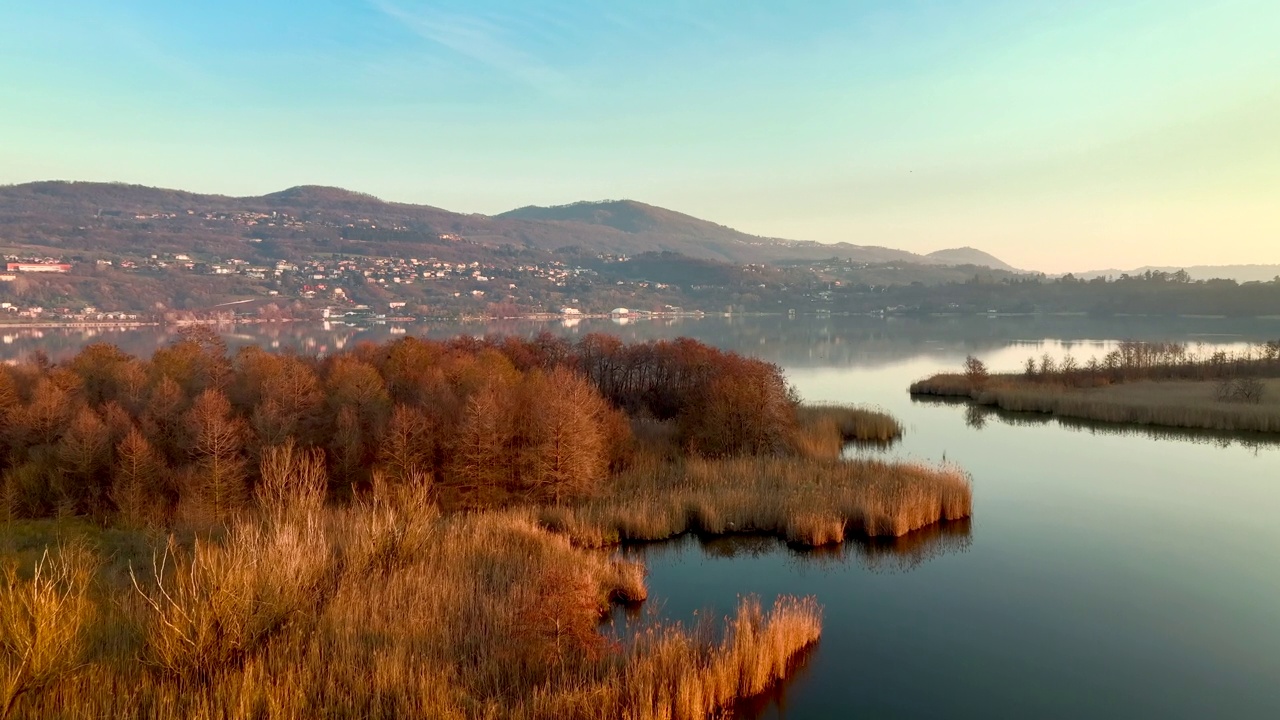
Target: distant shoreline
{"type": "Point", "coordinates": [75, 324]}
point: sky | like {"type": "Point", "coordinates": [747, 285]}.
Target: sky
{"type": "Point", "coordinates": [1066, 135]}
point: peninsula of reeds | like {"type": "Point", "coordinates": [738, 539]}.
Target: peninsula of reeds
{"type": "Point", "coordinates": [1159, 384]}
{"type": "Point", "coordinates": [413, 529]}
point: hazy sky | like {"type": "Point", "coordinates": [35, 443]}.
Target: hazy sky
{"type": "Point", "coordinates": [1064, 135]}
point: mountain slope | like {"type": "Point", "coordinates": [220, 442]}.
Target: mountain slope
{"type": "Point", "coordinates": [631, 227]}
{"type": "Point", "coordinates": [655, 229]}
{"type": "Point", "coordinates": [969, 256]}
{"type": "Point", "coordinates": [82, 216]}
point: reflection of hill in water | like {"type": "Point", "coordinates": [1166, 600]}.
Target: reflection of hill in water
{"type": "Point", "coordinates": [877, 554]}
{"type": "Point", "coordinates": [978, 416]}
{"type": "Point", "coordinates": [805, 341]}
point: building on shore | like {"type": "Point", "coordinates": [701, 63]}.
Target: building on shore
{"type": "Point", "coordinates": [38, 267]}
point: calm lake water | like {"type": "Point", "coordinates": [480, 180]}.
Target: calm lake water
{"type": "Point", "coordinates": [1106, 572]}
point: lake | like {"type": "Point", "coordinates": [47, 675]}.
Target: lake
{"type": "Point", "coordinates": [1106, 572]}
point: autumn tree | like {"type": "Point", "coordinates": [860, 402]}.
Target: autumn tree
{"type": "Point", "coordinates": [163, 420]}
{"type": "Point", "coordinates": [103, 371]}
{"type": "Point", "coordinates": [481, 454]}
{"type": "Point", "coordinates": [42, 420]}
{"type": "Point", "coordinates": [745, 408]}
{"type": "Point", "coordinates": [409, 446]}
{"type": "Point", "coordinates": [84, 454]}
{"type": "Point", "coordinates": [220, 476]}
{"type": "Point", "coordinates": [137, 481]}
{"type": "Point", "coordinates": [563, 450]}
{"type": "Point", "coordinates": [197, 362]}
{"type": "Point", "coordinates": [10, 406]}
{"type": "Point", "coordinates": [411, 367]}
{"type": "Point", "coordinates": [346, 446]}
{"type": "Point", "coordinates": [282, 397]}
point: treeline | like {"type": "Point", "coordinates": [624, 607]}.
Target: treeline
{"type": "Point", "coordinates": [1133, 360]}
{"type": "Point", "coordinates": [1236, 373]}
{"type": "Point", "coordinates": [186, 432]}
{"type": "Point", "coordinates": [1154, 293]}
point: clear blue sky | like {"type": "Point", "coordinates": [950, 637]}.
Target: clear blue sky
{"type": "Point", "coordinates": [1060, 135]}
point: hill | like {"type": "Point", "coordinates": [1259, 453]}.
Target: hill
{"type": "Point", "coordinates": [76, 217]}
{"type": "Point", "coordinates": [647, 228]}
{"type": "Point", "coordinates": [969, 256]}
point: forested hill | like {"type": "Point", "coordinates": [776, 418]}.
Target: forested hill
{"type": "Point", "coordinates": [660, 229]}
{"type": "Point", "coordinates": [69, 217]}
{"type": "Point", "coordinates": [969, 256]}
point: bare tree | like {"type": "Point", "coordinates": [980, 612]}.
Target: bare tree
{"type": "Point", "coordinates": [407, 448]}
{"type": "Point", "coordinates": [976, 372]}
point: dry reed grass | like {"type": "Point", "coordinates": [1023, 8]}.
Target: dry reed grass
{"type": "Point", "coordinates": [809, 502]}
{"type": "Point", "coordinates": [1172, 403]}
{"type": "Point", "coordinates": [1187, 404]}
{"type": "Point", "coordinates": [947, 385]}
{"type": "Point", "coordinates": [756, 651]}
{"type": "Point", "coordinates": [212, 607]}
{"type": "Point", "coordinates": [386, 609]}
{"type": "Point", "coordinates": [823, 430]}
{"type": "Point", "coordinates": [44, 622]}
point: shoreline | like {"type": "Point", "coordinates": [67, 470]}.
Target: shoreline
{"type": "Point", "coordinates": [1186, 404]}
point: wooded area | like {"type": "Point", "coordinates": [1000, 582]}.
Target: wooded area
{"type": "Point", "coordinates": [485, 421]}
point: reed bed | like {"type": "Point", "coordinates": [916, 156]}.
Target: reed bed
{"type": "Point", "coordinates": [809, 502]}
{"type": "Point", "coordinates": [824, 430]}
{"type": "Point", "coordinates": [1175, 403]}
{"type": "Point", "coordinates": [381, 610]}
{"type": "Point", "coordinates": [946, 385]}
{"type": "Point", "coordinates": [1187, 404]}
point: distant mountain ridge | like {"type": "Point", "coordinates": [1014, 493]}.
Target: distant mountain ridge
{"type": "Point", "coordinates": [59, 214]}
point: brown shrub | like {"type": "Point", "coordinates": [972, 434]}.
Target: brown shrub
{"type": "Point", "coordinates": [44, 622]}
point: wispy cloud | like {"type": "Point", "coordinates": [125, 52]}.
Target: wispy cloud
{"type": "Point", "coordinates": [485, 40]}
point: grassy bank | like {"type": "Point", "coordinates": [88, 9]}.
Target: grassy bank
{"type": "Point", "coordinates": [1173, 403]}
{"type": "Point", "coordinates": [384, 610]}
{"type": "Point", "coordinates": [809, 502]}
{"type": "Point", "coordinates": [824, 430]}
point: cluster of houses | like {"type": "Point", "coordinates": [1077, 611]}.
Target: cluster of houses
{"type": "Point", "coordinates": [277, 219]}
{"type": "Point", "coordinates": [65, 314]}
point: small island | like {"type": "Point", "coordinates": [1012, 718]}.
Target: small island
{"type": "Point", "coordinates": [1157, 384]}
{"type": "Point", "coordinates": [411, 529]}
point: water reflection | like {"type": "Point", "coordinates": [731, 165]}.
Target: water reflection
{"type": "Point", "coordinates": [774, 702]}
{"type": "Point", "coordinates": [901, 554]}
{"type": "Point", "coordinates": [975, 416]}
{"type": "Point", "coordinates": [978, 416]}
{"type": "Point", "coordinates": [877, 555]}
{"type": "Point", "coordinates": [880, 554]}
{"type": "Point", "coordinates": [804, 341]}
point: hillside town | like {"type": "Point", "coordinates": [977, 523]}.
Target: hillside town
{"type": "Point", "coordinates": [356, 288]}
